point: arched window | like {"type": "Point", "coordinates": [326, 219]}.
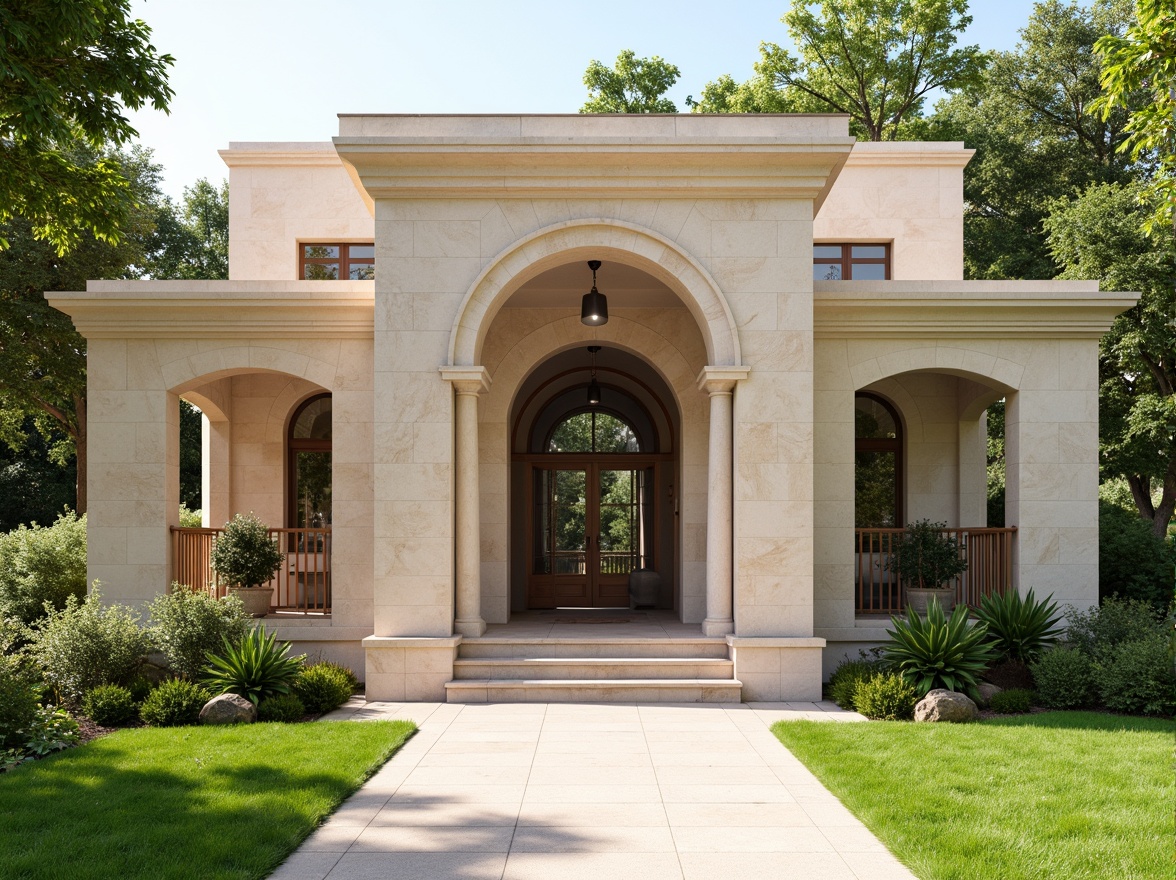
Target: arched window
{"type": "Point", "coordinates": [877, 464]}
{"type": "Point", "coordinates": [593, 431]}
{"type": "Point", "coordinates": [309, 464]}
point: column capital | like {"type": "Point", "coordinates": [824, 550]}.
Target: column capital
{"type": "Point", "coordinates": [467, 380]}
{"type": "Point", "coordinates": [721, 380]}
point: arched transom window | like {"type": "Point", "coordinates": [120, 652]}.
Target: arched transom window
{"type": "Point", "coordinates": [593, 431]}
{"type": "Point", "coordinates": [877, 464]}
{"type": "Point", "coordinates": [309, 450]}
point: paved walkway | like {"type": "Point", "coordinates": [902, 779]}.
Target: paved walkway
{"type": "Point", "coordinates": [606, 792]}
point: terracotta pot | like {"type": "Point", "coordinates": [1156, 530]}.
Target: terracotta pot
{"type": "Point", "coordinates": [644, 585]}
{"type": "Point", "coordinates": [919, 599]}
{"type": "Point", "coordinates": [256, 599]}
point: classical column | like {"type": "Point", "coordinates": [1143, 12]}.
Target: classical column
{"type": "Point", "coordinates": [468, 383]}
{"type": "Point", "coordinates": [719, 384]}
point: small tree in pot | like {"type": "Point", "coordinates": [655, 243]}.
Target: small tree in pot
{"type": "Point", "coordinates": [245, 557]}
{"type": "Point", "coordinates": [927, 560]}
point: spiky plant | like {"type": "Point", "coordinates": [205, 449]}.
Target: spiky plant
{"type": "Point", "coordinates": [938, 652]}
{"type": "Point", "coordinates": [1020, 628]}
{"type": "Point", "coordinates": [255, 668]}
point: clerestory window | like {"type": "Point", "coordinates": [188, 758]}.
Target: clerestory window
{"type": "Point", "coordinates": [851, 262]}
{"type": "Point", "coordinates": [331, 261]}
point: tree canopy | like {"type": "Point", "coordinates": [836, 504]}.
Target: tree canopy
{"type": "Point", "coordinates": [631, 85]}
{"type": "Point", "coordinates": [66, 72]}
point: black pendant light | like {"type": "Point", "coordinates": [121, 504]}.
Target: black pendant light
{"type": "Point", "coordinates": [593, 385]}
{"type": "Point", "coordinates": [594, 307]}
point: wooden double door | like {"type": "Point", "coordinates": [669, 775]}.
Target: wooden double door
{"type": "Point", "coordinates": [592, 522]}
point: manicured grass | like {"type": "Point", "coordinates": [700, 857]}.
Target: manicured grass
{"type": "Point", "coordinates": [1060, 795]}
{"type": "Point", "coordinates": [190, 802]}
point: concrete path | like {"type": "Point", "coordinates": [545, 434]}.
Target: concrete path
{"type": "Point", "coordinates": [601, 792]}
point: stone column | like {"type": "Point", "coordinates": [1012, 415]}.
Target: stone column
{"type": "Point", "coordinates": [468, 382]}
{"type": "Point", "coordinates": [719, 383]}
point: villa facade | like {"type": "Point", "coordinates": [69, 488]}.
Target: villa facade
{"type": "Point", "coordinates": [398, 378]}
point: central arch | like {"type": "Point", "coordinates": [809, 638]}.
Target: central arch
{"type": "Point", "coordinates": [602, 239]}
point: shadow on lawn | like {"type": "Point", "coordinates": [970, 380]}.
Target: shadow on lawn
{"type": "Point", "coordinates": [1060, 720]}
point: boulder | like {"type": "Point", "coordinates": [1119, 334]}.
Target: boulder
{"type": "Point", "coordinates": [944, 705]}
{"type": "Point", "coordinates": [228, 709]}
{"type": "Point", "coordinates": [987, 692]}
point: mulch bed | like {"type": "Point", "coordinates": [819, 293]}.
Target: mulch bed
{"type": "Point", "coordinates": [89, 731]}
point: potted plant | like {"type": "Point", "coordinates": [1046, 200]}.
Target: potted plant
{"type": "Point", "coordinates": [927, 560]}
{"type": "Point", "coordinates": [245, 557]}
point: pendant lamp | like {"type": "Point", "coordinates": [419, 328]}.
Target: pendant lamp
{"type": "Point", "coordinates": [593, 385]}
{"type": "Point", "coordinates": [594, 307]}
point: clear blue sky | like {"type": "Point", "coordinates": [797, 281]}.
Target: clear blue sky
{"type": "Point", "coordinates": [280, 70]}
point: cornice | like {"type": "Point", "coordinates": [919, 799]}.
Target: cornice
{"type": "Point", "coordinates": [964, 309]}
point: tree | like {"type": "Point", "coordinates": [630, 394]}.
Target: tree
{"type": "Point", "coordinates": [1028, 119]}
{"type": "Point", "coordinates": [1142, 62]}
{"type": "Point", "coordinates": [64, 69]}
{"type": "Point", "coordinates": [191, 239]}
{"type": "Point", "coordinates": [1099, 235]}
{"type": "Point", "coordinates": [876, 60]}
{"type": "Point", "coordinates": [632, 85]}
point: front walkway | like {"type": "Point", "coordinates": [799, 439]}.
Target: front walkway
{"type": "Point", "coordinates": [553, 791]}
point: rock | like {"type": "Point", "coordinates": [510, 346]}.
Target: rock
{"type": "Point", "coordinates": [944, 705]}
{"type": "Point", "coordinates": [987, 692]}
{"type": "Point", "coordinates": [228, 709]}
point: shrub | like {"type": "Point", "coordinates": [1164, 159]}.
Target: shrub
{"type": "Point", "coordinates": [1019, 628]}
{"type": "Point", "coordinates": [140, 688]}
{"type": "Point", "coordinates": [1132, 562]}
{"type": "Point", "coordinates": [925, 557]}
{"type": "Point", "coordinates": [283, 707]}
{"type": "Point", "coordinates": [886, 697]}
{"type": "Point", "coordinates": [18, 702]}
{"type": "Point", "coordinates": [190, 519]}
{"type": "Point", "coordinates": [322, 687]}
{"type": "Point", "coordinates": [174, 703]}
{"type": "Point", "coordinates": [110, 705]}
{"type": "Point", "coordinates": [1064, 678]}
{"type": "Point", "coordinates": [1016, 701]}
{"type": "Point", "coordinates": [255, 668]}
{"type": "Point", "coordinates": [1113, 623]}
{"type": "Point", "coordinates": [844, 680]}
{"type": "Point", "coordinates": [87, 644]}
{"type": "Point", "coordinates": [938, 652]}
{"type": "Point", "coordinates": [52, 730]}
{"type": "Point", "coordinates": [244, 554]}
{"type": "Point", "coordinates": [40, 564]}
{"type": "Point", "coordinates": [352, 678]}
{"type": "Point", "coordinates": [1010, 675]}
{"type": "Point", "coordinates": [1137, 677]}
{"type": "Point", "coordinates": [189, 626]}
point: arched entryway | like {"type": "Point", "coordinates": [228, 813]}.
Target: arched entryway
{"type": "Point", "coordinates": [593, 479]}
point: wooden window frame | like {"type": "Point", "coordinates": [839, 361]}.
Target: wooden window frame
{"type": "Point", "coordinates": [847, 261]}
{"type": "Point", "coordinates": [344, 259]}
{"type": "Point", "coordinates": [884, 444]}
{"type": "Point", "coordinates": [294, 445]}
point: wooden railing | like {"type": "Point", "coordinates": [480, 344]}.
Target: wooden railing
{"type": "Point", "coordinates": [989, 553]}
{"type": "Point", "coordinates": [303, 583]}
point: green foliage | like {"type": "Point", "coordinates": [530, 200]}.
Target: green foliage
{"type": "Point", "coordinates": [40, 565]}
{"type": "Point", "coordinates": [66, 73]}
{"type": "Point", "coordinates": [244, 554]}
{"type": "Point", "coordinates": [110, 705]}
{"type": "Point", "coordinates": [1064, 678]}
{"type": "Point", "coordinates": [19, 701]}
{"type": "Point", "coordinates": [1016, 701]}
{"type": "Point", "coordinates": [174, 703]}
{"type": "Point", "coordinates": [1019, 628]}
{"type": "Point", "coordinates": [352, 678]}
{"type": "Point", "coordinates": [323, 687]}
{"type": "Point", "coordinates": [140, 688]}
{"type": "Point", "coordinates": [1137, 676]}
{"type": "Point", "coordinates": [87, 644]}
{"type": "Point", "coordinates": [925, 557]}
{"type": "Point", "coordinates": [52, 730]}
{"type": "Point", "coordinates": [1098, 631]}
{"type": "Point", "coordinates": [1132, 562]}
{"type": "Point", "coordinates": [191, 239]}
{"type": "Point", "coordinates": [938, 652]}
{"type": "Point", "coordinates": [844, 680]}
{"type": "Point", "coordinates": [284, 707]}
{"type": "Point", "coordinates": [631, 85]}
{"type": "Point", "coordinates": [995, 423]}
{"type": "Point", "coordinates": [255, 668]}
{"type": "Point", "coordinates": [876, 60]}
{"type": "Point", "coordinates": [189, 626]}
{"type": "Point", "coordinates": [39, 479]}
{"type": "Point", "coordinates": [191, 453]}
{"type": "Point", "coordinates": [190, 519]}
{"type": "Point", "coordinates": [1139, 69]}
{"type": "Point", "coordinates": [885, 697]}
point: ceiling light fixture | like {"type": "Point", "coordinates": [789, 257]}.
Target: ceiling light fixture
{"type": "Point", "coordinates": [593, 385]}
{"type": "Point", "coordinates": [594, 306]}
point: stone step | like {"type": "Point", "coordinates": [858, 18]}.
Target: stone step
{"type": "Point", "coordinates": [616, 647]}
{"type": "Point", "coordinates": [594, 668]}
{"type": "Point", "coordinates": [645, 690]}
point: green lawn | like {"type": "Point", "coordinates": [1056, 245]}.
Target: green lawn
{"type": "Point", "coordinates": [1059, 795]}
{"type": "Point", "coordinates": [189, 802]}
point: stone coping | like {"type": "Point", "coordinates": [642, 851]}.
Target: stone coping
{"type": "Point", "coordinates": [774, 642]}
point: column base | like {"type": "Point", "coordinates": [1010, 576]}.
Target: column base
{"type": "Point", "coordinates": [470, 628]}
{"type": "Point", "coordinates": [718, 626]}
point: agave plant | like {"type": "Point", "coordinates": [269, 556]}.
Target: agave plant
{"type": "Point", "coordinates": [938, 652]}
{"type": "Point", "coordinates": [255, 668]}
{"type": "Point", "coordinates": [1020, 629]}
